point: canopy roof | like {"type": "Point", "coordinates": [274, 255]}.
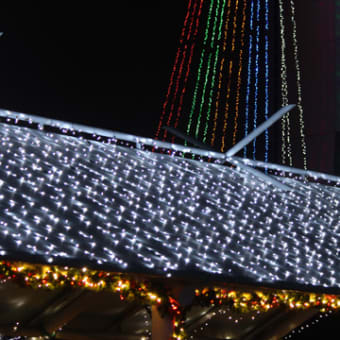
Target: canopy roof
{"type": "Point", "coordinates": [70, 200]}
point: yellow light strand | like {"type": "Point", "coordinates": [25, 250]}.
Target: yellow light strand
{"type": "Point", "coordinates": [298, 83]}
{"type": "Point", "coordinates": [238, 88]}
{"type": "Point", "coordinates": [219, 86]}
{"type": "Point", "coordinates": [285, 123]}
{"type": "Point", "coordinates": [226, 111]}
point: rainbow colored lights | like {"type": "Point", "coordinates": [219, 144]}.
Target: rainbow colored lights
{"type": "Point", "coordinates": [224, 80]}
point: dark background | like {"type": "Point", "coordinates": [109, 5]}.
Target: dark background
{"type": "Point", "coordinates": [109, 66]}
{"type": "Point", "coordinates": [100, 65]}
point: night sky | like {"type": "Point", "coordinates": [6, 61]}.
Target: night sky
{"type": "Point", "coordinates": [97, 65]}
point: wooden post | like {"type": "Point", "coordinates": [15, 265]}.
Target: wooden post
{"type": "Point", "coordinates": [161, 326]}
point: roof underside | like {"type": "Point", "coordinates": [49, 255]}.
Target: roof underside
{"type": "Point", "coordinates": [70, 200]}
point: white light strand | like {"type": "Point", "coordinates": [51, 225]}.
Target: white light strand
{"type": "Point", "coordinates": [298, 85]}
{"type": "Point", "coordinates": [68, 198]}
{"type": "Point", "coordinates": [285, 123]}
{"type": "Point", "coordinates": [230, 318]}
{"type": "Point", "coordinates": [306, 326]}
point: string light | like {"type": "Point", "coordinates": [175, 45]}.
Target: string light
{"type": "Point", "coordinates": [298, 85]}
{"type": "Point", "coordinates": [238, 86]}
{"type": "Point", "coordinates": [257, 56]}
{"type": "Point", "coordinates": [219, 86]}
{"type": "Point", "coordinates": [194, 99]}
{"type": "Point", "coordinates": [226, 315]}
{"type": "Point", "coordinates": [203, 96]}
{"type": "Point", "coordinates": [226, 110]}
{"type": "Point", "coordinates": [263, 301]}
{"type": "Point", "coordinates": [146, 292]}
{"type": "Point", "coordinates": [212, 87]}
{"type": "Point", "coordinates": [285, 123]}
{"type": "Point", "coordinates": [179, 74]}
{"type": "Point", "coordinates": [266, 107]}
{"type": "Point", "coordinates": [306, 326]}
{"type": "Point", "coordinates": [212, 44]}
{"type": "Point", "coordinates": [165, 104]}
{"type": "Point", "coordinates": [251, 24]}
{"type": "Point", "coordinates": [180, 106]}
{"type": "Point", "coordinates": [75, 199]}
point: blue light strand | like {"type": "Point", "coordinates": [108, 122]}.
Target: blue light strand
{"type": "Point", "coordinates": [257, 49]}
{"type": "Point", "coordinates": [246, 124]}
{"type": "Point", "coordinates": [266, 111]}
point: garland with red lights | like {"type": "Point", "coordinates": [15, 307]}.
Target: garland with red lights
{"type": "Point", "coordinates": [150, 293]}
{"type": "Point", "coordinates": [265, 300]}
{"type": "Point", "coordinates": [53, 277]}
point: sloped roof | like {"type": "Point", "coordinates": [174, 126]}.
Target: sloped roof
{"type": "Point", "coordinates": [71, 200]}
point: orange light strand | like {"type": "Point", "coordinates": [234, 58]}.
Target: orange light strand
{"type": "Point", "coordinates": [226, 112]}
{"type": "Point", "coordinates": [239, 72]}
{"type": "Point", "coordinates": [219, 86]}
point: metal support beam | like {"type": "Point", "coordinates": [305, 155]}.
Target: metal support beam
{"type": "Point", "coordinates": [270, 121]}
{"type": "Point", "coordinates": [259, 174]}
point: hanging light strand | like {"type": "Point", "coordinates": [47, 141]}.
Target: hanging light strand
{"type": "Point", "coordinates": [257, 67]}
{"type": "Point", "coordinates": [285, 124]}
{"type": "Point", "coordinates": [250, 49]}
{"type": "Point", "coordinates": [199, 72]}
{"type": "Point", "coordinates": [180, 72]}
{"type": "Point", "coordinates": [219, 86]}
{"type": "Point", "coordinates": [212, 44]}
{"type": "Point", "coordinates": [226, 111]}
{"type": "Point", "coordinates": [298, 83]}
{"type": "Point", "coordinates": [174, 69]}
{"type": "Point", "coordinates": [212, 87]}
{"type": "Point", "coordinates": [180, 106]}
{"type": "Point", "coordinates": [238, 87]}
{"type": "Point", "coordinates": [266, 108]}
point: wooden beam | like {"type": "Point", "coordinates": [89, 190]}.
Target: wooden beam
{"type": "Point", "coordinates": [161, 328]}
{"type": "Point", "coordinates": [267, 320]}
{"type": "Point", "coordinates": [66, 297]}
{"type": "Point", "coordinates": [66, 335]}
{"type": "Point", "coordinates": [20, 331]}
{"type": "Point", "coordinates": [69, 312]}
{"type": "Point", "coordinates": [131, 310]}
{"type": "Point", "coordinates": [280, 324]}
{"type": "Point", "coordinates": [69, 335]}
{"type": "Point", "coordinates": [200, 320]}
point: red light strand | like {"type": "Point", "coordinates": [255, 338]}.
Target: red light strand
{"type": "Point", "coordinates": [180, 72]}
{"type": "Point", "coordinates": [180, 106]}
{"type": "Point", "coordinates": [174, 69]}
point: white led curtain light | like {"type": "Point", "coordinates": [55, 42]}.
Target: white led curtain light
{"type": "Point", "coordinates": [66, 198]}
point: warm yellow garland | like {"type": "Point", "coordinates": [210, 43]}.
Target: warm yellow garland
{"type": "Point", "coordinates": [150, 293]}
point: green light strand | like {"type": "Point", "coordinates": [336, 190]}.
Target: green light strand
{"type": "Point", "coordinates": [194, 99]}
{"type": "Point", "coordinates": [211, 95]}
{"type": "Point", "coordinates": [212, 44]}
{"type": "Point", "coordinates": [214, 75]}
{"type": "Point", "coordinates": [203, 96]}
